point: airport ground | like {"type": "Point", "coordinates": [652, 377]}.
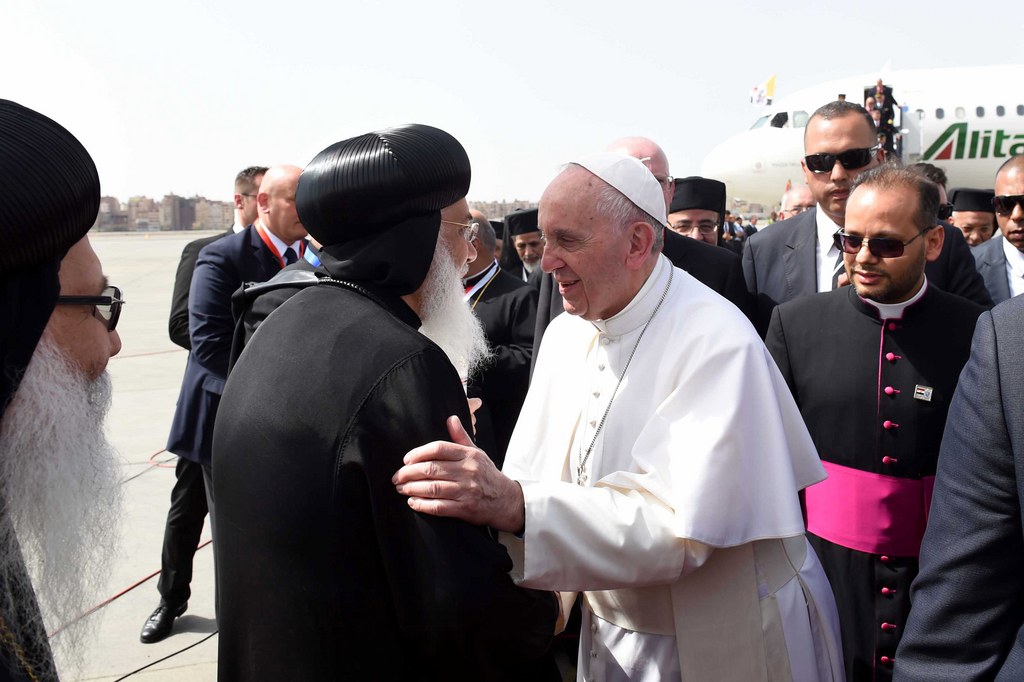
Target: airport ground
{"type": "Point", "coordinates": [146, 376]}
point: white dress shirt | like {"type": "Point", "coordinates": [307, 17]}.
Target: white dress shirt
{"type": "Point", "coordinates": [1014, 268]}
{"type": "Point", "coordinates": [825, 250]}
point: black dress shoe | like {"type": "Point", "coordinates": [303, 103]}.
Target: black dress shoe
{"type": "Point", "coordinates": [158, 625]}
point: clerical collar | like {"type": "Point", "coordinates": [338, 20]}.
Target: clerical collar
{"type": "Point", "coordinates": [894, 311]}
{"type": "Point", "coordinates": [638, 311]}
{"type": "Point", "coordinates": [473, 280]}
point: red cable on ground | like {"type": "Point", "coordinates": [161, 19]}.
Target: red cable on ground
{"type": "Point", "coordinates": [116, 596]}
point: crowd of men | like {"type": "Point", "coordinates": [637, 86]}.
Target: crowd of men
{"type": "Point", "coordinates": [743, 454]}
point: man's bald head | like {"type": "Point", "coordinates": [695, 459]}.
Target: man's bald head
{"type": "Point", "coordinates": [276, 201]}
{"type": "Point", "coordinates": [652, 155]}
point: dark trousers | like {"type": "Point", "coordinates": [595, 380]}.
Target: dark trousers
{"type": "Point", "coordinates": [181, 534]}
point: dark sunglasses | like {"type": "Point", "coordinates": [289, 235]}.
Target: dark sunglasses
{"type": "Point", "coordinates": [851, 159]}
{"type": "Point", "coordinates": [945, 211]}
{"type": "Point", "coordinates": [1004, 204]}
{"type": "Point", "coordinates": [882, 247]}
{"type": "Point", "coordinates": [107, 306]}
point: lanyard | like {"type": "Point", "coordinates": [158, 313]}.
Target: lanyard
{"type": "Point", "coordinates": [273, 249]}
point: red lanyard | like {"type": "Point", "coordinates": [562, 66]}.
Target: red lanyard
{"type": "Point", "coordinates": [273, 249]}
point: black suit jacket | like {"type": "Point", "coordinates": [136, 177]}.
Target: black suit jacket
{"type": "Point", "coordinates": [508, 310]}
{"type": "Point", "coordinates": [220, 270]}
{"type": "Point", "coordinates": [967, 620]}
{"type": "Point", "coordinates": [177, 324]}
{"type": "Point", "coordinates": [780, 264]}
{"type": "Point", "coordinates": [718, 269]}
{"type": "Point", "coordinates": [991, 262]}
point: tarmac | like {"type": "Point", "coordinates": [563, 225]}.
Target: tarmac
{"type": "Point", "coordinates": [146, 376]}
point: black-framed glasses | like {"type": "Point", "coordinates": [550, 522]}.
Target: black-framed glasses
{"type": "Point", "coordinates": [1005, 203]}
{"type": "Point", "coordinates": [945, 211]}
{"type": "Point", "coordinates": [851, 159]}
{"type": "Point", "coordinates": [107, 305]}
{"type": "Point", "coordinates": [704, 226]}
{"type": "Point", "coordinates": [469, 230]}
{"type": "Point", "coordinates": [880, 247]}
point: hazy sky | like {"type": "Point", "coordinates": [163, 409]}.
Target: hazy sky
{"type": "Point", "coordinates": [178, 96]}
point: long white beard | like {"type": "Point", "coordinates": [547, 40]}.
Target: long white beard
{"type": "Point", "coordinates": [446, 318]}
{"type": "Point", "coordinates": [60, 480]}
{"type": "Point", "coordinates": [529, 267]}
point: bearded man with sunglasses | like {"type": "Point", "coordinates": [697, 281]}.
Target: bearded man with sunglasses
{"type": "Point", "coordinates": [1001, 260]}
{"type": "Point", "coordinates": [873, 367]}
{"type": "Point", "coordinates": [797, 257]}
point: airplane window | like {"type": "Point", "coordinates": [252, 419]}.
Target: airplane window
{"type": "Point", "coordinates": [939, 113]}
{"type": "Point", "coordinates": [980, 111]}
{"type": "Point", "coordinates": [759, 122]}
{"type": "Point", "coordinates": [1020, 109]}
{"type": "Point", "coordinates": [780, 120]}
{"type": "Point", "coordinates": [960, 113]}
{"type": "Point", "coordinates": [1000, 110]}
{"type": "Point", "coordinates": [800, 119]}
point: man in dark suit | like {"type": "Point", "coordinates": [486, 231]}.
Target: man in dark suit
{"type": "Point", "coordinates": [188, 497]}
{"type": "Point", "coordinates": [507, 307]}
{"type": "Point", "coordinates": [254, 254]}
{"type": "Point", "coordinates": [1000, 260]}
{"type": "Point", "coordinates": [796, 257]}
{"type": "Point", "coordinates": [716, 268]}
{"type": "Point", "coordinates": [247, 184]}
{"type": "Point", "coordinates": [968, 600]}
{"type": "Point", "coordinates": [872, 368]}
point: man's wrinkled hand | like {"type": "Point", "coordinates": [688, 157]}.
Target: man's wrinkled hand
{"type": "Point", "coordinates": [459, 480]}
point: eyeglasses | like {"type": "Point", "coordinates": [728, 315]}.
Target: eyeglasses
{"type": "Point", "coordinates": [704, 226]}
{"type": "Point", "coordinates": [107, 306]}
{"type": "Point", "coordinates": [799, 208]}
{"type": "Point", "coordinates": [945, 211]}
{"type": "Point", "coordinates": [1005, 203]}
{"type": "Point", "coordinates": [468, 230]}
{"type": "Point", "coordinates": [882, 247]}
{"type": "Point", "coordinates": [851, 159]}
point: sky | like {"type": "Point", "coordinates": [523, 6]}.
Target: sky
{"type": "Point", "coordinates": [179, 96]}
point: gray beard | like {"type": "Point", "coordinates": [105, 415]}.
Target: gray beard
{"type": "Point", "coordinates": [446, 318]}
{"type": "Point", "coordinates": [60, 480]}
{"type": "Point", "coordinates": [529, 268]}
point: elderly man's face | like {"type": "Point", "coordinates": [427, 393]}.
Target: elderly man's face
{"type": "Point", "coordinates": [584, 252]}
{"type": "Point", "coordinates": [277, 203]}
{"type": "Point", "coordinates": [530, 248]}
{"type": "Point", "coordinates": [696, 223]}
{"type": "Point", "coordinates": [977, 226]}
{"type": "Point", "coordinates": [453, 220]}
{"type": "Point", "coordinates": [78, 330]}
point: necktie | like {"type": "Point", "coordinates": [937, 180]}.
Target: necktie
{"type": "Point", "coordinates": [289, 256]}
{"type": "Point", "coordinates": [837, 269]}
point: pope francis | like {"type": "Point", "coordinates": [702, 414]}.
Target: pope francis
{"type": "Point", "coordinates": [656, 463]}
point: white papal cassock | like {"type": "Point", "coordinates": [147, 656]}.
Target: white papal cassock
{"type": "Point", "coordinates": [686, 537]}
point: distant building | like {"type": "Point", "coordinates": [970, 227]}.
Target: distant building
{"type": "Point", "coordinates": [496, 210]}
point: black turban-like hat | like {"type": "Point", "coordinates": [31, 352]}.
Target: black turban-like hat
{"type": "Point", "coordinates": [374, 202]}
{"type": "Point", "coordinates": [520, 221]}
{"type": "Point", "coordinates": [499, 228]}
{"type": "Point", "coordinates": [964, 199]}
{"type": "Point", "coordinates": [51, 198]}
{"type": "Point", "coordinates": [698, 193]}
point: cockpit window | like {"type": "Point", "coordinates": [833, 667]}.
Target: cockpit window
{"type": "Point", "coordinates": [780, 120]}
{"type": "Point", "coordinates": [759, 122]}
{"type": "Point", "coordinates": [800, 119]}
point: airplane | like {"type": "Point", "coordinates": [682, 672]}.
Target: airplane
{"type": "Point", "coordinates": [967, 121]}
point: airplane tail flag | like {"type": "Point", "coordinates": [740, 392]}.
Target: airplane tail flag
{"type": "Point", "coordinates": [763, 94]}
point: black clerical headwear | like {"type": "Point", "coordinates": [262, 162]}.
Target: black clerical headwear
{"type": "Point", "coordinates": [374, 202]}
{"type": "Point", "coordinates": [499, 228]}
{"type": "Point", "coordinates": [521, 222]}
{"type": "Point", "coordinates": [51, 199]}
{"type": "Point", "coordinates": [698, 193]}
{"type": "Point", "coordinates": [964, 199]}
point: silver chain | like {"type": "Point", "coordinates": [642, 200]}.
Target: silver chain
{"type": "Point", "coordinates": [581, 476]}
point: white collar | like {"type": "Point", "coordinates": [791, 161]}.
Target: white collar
{"type": "Point", "coordinates": [278, 243]}
{"type": "Point", "coordinates": [826, 228]}
{"type": "Point", "coordinates": [639, 310]}
{"type": "Point", "coordinates": [1014, 259]}
{"type": "Point", "coordinates": [236, 228]}
{"type": "Point", "coordinates": [894, 311]}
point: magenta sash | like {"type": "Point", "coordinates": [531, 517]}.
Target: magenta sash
{"type": "Point", "coordinates": [869, 512]}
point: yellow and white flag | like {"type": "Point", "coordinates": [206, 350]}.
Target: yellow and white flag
{"type": "Point", "coordinates": [763, 94]}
